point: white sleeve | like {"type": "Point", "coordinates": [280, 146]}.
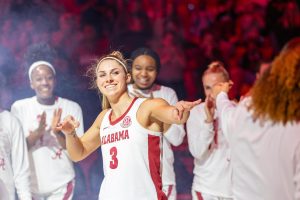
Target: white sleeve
{"type": "Point", "coordinates": [175, 134]}
{"type": "Point", "coordinates": [200, 134]}
{"type": "Point", "coordinates": [225, 110]}
{"type": "Point", "coordinates": [297, 173]}
{"type": "Point", "coordinates": [14, 111]}
{"type": "Point", "coordinates": [20, 163]}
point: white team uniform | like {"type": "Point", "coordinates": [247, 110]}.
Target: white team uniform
{"type": "Point", "coordinates": [174, 136]}
{"type": "Point", "coordinates": [14, 164]}
{"type": "Point", "coordinates": [212, 167]}
{"type": "Point", "coordinates": [50, 165]}
{"type": "Point", "coordinates": [131, 158]}
{"type": "Point", "coordinates": [265, 157]}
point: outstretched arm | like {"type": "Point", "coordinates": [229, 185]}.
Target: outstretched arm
{"type": "Point", "coordinates": [177, 114]}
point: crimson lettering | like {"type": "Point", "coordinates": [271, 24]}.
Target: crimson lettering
{"type": "Point", "coordinates": [115, 137]}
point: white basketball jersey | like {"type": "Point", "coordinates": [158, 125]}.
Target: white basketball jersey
{"type": "Point", "coordinates": [131, 158]}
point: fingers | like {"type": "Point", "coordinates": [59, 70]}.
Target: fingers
{"type": "Point", "coordinates": [68, 125]}
{"type": "Point", "coordinates": [76, 124]}
{"type": "Point", "coordinates": [209, 102]}
{"type": "Point", "coordinates": [56, 119]}
{"type": "Point", "coordinates": [42, 121]}
{"type": "Point", "coordinates": [188, 105]}
{"type": "Point", "coordinates": [184, 106]}
{"type": "Point", "coordinates": [58, 113]}
{"type": "Point", "coordinates": [43, 118]}
{"type": "Point", "coordinates": [221, 87]}
{"type": "Point", "coordinates": [178, 111]}
{"type": "Point", "coordinates": [209, 109]}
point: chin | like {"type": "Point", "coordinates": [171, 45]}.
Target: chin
{"type": "Point", "coordinates": [46, 97]}
{"type": "Point", "coordinates": [144, 87]}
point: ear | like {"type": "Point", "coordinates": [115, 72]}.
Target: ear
{"type": "Point", "coordinates": [128, 78]}
{"type": "Point", "coordinates": [31, 85]}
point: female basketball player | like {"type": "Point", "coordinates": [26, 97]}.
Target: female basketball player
{"type": "Point", "coordinates": [129, 131]}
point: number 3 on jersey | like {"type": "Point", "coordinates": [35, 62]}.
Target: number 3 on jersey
{"type": "Point", "coordinates": [113, 164]}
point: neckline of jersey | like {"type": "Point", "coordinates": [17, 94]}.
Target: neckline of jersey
{"type": "Point", "coordinates": [123, 115]}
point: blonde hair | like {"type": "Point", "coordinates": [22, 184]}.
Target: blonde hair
{"type": "Point", "coordinates": [276, 95]}
{"type": "Point", "coordinates": [92, 72]}
{"type": "Point", "coordinates": [217, 67]}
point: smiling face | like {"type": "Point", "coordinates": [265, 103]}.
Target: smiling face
{"type": "Point", "coordinates": [112, 79]}
{"type": "Point", "coordinates": [43, 83]}
{"type": "Point", "coordinates": [144, 72]}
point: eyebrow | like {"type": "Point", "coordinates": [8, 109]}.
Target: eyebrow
{"type": "Point", "coordinates": [147, 66]}
{"type": "Point", "coordinates": [114, 69]}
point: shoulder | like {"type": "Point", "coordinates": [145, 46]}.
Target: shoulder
{"type": "Point", "coordinates": [154, 102]}
{"type": "Point", "coordinates": [102, 115]}
{"type": "Point", "coordinates": [68, 102]}
{"type": "Point", "coordinates": [23, 102]}
{"type": "Point", "coordinates": [166, 93]}
{"type": "Point", "coordinates": [5, 114]}
{"type": "Point", "coordinates": [8, 118]}
{"type": "Point", "coordinates": [149, 105]}
{"type": "Point", "coordinates": [23, 105]}
{"type": "Point", "coordinates": [168, 89]}
{"type": "Point", "coordinates": [164, 89]}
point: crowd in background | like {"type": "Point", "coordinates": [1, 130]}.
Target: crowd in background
{"type": "Point", "coordinates": [187, 34]}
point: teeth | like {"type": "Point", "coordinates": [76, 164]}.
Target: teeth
{"type": "Point", "coordinates": [109, 86]}
{"type": "Point", "coordinates": [143, 80]}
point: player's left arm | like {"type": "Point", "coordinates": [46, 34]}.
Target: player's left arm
{"type": "Point", "coordinates": [178, 114]}
{"type": "Point", "coordinates": [175, 133]}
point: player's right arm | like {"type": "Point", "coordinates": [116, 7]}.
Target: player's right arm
{"type": "Point", "coordinates": [80, 148]}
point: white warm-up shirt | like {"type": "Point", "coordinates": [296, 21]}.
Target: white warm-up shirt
{"type": "Point", "coordinates": [174, 135]}
{"type": "Point", "coordinates": [131, 158]}
{"type": "Point", "coordinates": [212, 167]}
{"type": "Point", "coordinates": [50, 165]}
{"type": "Point", "coordinates": [14, 164]}
{"type": "Point", "coordinates": [265, 157]}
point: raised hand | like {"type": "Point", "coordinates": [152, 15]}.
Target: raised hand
{"type": "Point", "coordinates": [221, 87]}
{"type": "Point", "coordinates": [209, 109]}
{"type": "Point", "coordinates": [56, 119]}
{"type": "Point", "coordinates": [42, 125]}
{"type": "Point", "coordinates": [38, 133]}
